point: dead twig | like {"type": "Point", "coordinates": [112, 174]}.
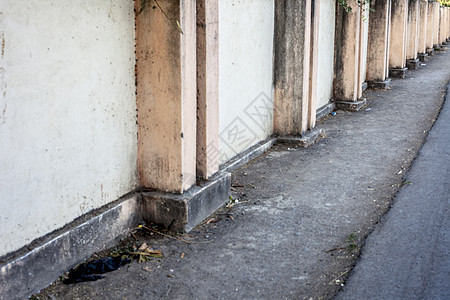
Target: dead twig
{"type": "Point", "coordinates": [225, 213]}
{"type": "Point", "coordinates": [334, 280]}
{"type": "Point", "coordinates": [334, 249]}
{"type": "Point", "coordinates": [174, 237]}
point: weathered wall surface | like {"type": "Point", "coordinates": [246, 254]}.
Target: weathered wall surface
{"type": "Point", "coordinates": [67, 112]}
{"type": "Point", "coordinates": [245, 74]}
{"type": "Point", "coordinates": [326, 52]}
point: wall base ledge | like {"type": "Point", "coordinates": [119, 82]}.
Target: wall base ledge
{"type": "Point", "coordinates": [325, 110]}
{"type": "Point", "coordinates": [33, 268]}
{"type": "Point", "coordinates": [365, 86]}
{"type": "Point", "coordinates": [246, 156]}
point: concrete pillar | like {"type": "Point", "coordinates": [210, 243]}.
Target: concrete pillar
{"type": "Point", "coordinates": [399, 38]}
{"type": "Point", "coordinates": [364, 38]}
{"type": "Point", "coordinates": [166, 94]}
{"type": "Point", "coordinates": [294, 66]}
{"type": "Point", "coordinates": [313, 60]}
{"type": "Point", "coordinates": [430, 29]}
{"type": "Point", "coordinates": [445, 24]}
{"type": "Point", "coordinates": [442, 26]}
{"type": "Point", "coordinates": [423, 18]}
{"type": "Point", "coordinates": [207, 87]}
{"type": "Point", "coordinates": [448, 23]}
{"type": "Point", "coordinates": [378, 44]}
{"type": "Point", "coordinates": [436, 6]}
{"type": "Point", "coordinates": [347, 84]}
{"type": "Point", "coordinates": [413, 35]}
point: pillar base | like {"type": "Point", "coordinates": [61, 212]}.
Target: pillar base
{"type": "Point", "coordinates": [437, 47]}
{"type": "Point", "coordinates": [423, 57]}
{"type": "Point", "coordinates": [444, 43]}
{"type": "Point", "coordinates": [413, 64]}
{"type": "Point", "coordinates": [306, 140]}
{"type": "Point", "coordinates": [398, 72]}
{"type": "Point", "coordinates": [351, 105]}
{"type": "Point", "coordinates": [384, 84]}
{"type": "Point", "coordinates": [430, 51]}
{"type": "Point", "coordinates": [182, 212]}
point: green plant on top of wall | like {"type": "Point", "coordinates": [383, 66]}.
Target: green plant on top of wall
{"type": "Point", "coordinates": [445, 3]}
{"type": "Point", "coordinates": [361, 3]}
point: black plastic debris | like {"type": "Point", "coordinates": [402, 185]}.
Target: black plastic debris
{"type": "Point", "coordinates": [87, 271]}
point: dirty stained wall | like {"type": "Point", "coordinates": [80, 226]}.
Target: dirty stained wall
{"type": "Point", "coordinates": [67, 112]}
{"type": "Point", "coordinates": [326, 52]}
{"type": "Point", "coordinates": [245, 68]}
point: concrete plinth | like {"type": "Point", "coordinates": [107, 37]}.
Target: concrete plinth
{"type": "Point", "coordinates": [413, 64]}
{"type": "Point", "coordinates": [306, 140]}
{"type": "Point", "coordinates": [351, 105]}
{"type": "Point", "coordinates": [181, 212]}
{"type": "Point", "coordinates": [430, 51]}
{"type": "Point", "coordinates": [385, 84]}
{"type": "Point", "coordinates": [398, 72]}
{"type": "Point", "coordinates": [423, 57]}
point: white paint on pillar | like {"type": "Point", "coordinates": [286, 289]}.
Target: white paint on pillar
{"type": "Point", "coordinates": [326, 52]}
{"type": "Point", "coordinates": [245, 74]}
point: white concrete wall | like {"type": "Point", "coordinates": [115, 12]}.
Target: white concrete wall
{"type": "Point", "coordinates": [325, 61]}
{"type": "Point", "coordinates": [67, 112]}
{"type": "Point", "coordinates": [245, 74]}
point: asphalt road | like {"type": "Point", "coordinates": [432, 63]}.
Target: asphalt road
{"type": "Point", "coordinates": [408, 254]}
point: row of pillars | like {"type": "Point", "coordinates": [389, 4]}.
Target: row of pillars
{"type": "Point", "coordinates": [177, 72]}
{"type": "Point", "coordinates": [400, 33]}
